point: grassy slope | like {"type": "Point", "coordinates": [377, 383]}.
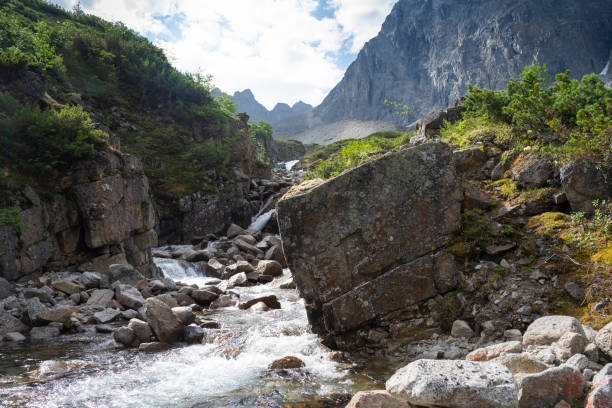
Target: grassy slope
{"type": "Point", "coordinates": [166, 117]}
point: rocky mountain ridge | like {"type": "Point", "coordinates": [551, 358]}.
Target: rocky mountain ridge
{"type": "Point", "coordinates": [428, 52]}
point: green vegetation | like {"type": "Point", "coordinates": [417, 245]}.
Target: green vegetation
{"type": "Point", "coordinates": [567, 118]}
{"type": "Point", "coordinates": [331, 160]}
{"type": "Point", "coordinates": [37, 141]}
{"type": "Point", "coordinates": [261, 135]}
{"type": "Point", "coordinates": [11, 218]}
{"type": "Point", "coordinates": [168, 118]}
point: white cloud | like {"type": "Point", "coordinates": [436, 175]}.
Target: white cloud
{"type": "Point", "coordinates": [274, 47]}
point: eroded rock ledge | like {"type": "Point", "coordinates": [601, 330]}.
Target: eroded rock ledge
{"type": "Point", "coordinates": [365, 246]}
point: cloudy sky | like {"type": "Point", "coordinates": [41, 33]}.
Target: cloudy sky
{"type": "Point", "coordinates": [284, 50]}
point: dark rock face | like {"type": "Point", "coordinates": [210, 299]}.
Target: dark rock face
{"type": "Point", "coordinates": [101, 213]}
{"type": "Point", "coordinates": [364, 244]}
{"type": "Point", "coordinates": [427, 52]}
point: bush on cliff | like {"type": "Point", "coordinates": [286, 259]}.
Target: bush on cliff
{"type": "Point", "coordinates": [40, 140]}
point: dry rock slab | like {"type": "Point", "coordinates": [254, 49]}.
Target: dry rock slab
{"type": "Point", "coordinates": [548, 329]}
{"type": "Point", "coordinates": [458, 384]}
{"type": "Point", "coordinates": [495, 350]}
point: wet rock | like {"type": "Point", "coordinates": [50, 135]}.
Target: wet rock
{"type": "Point", "coordinates": [461, 384]}
{"type": "Point", "coordinates": [376, 399]}
{"type": "Point", "coordinates": [548, 329]}
{"type": "Point", "coordinates": [240, 279]}
{"type": "Point", "coordinates": [164, 323]}
{"type": "Point", "coordinates": [101, 298]}
{"type": "Point", "coordinates": [168, 299]}
{"type": "Point", "coordinates": [126, 336]}
{"type": "Point", "coordinates": [269, 268]}
{"type": "Point", "coordinates": [193, 334]}
{"type": "Point", "coordinates": [209, 324]}
{"type": "Point", "coordinates": [603, 340]}
{"type": "Point", "coordinates": [286, 363]}
{"type": "Point", "coordinates": [60, 315]}
{"type": "Point", "coordinates": [44, 332]}
{"type": "Point", "coordinates": [154, 347]}
{"type": "Point", "coordinates": [495, 350]}
{"type": "Point", "coordinates": [104, 328]}
{"type": "Point", "coordinates": [532, 170]}
{"type": "Point", "coordinates": [51, 370]}
{"type": "Point", "coordinates": [270, 301]}
{"type": "Point", "coordinates": [224, 301]}
{"type": "Point", "coordinates": [341, 220]}
{"type": "Point", "coordinates": [235, 230]}
{"type": "Point", "coordinates": [9, 324]}
{"type": "Point", "coordinates": [276, 254]}
{"type": "Point", "coordinates": [521, 363]}
{"type": "Point", "coordinates": [198, 256]}
{"type": "Point", "coordinates": [107, 315]}
{"type": "Point", "coordinates": [233, 269]}
{"type": "Point", "coordinates": [259, 307]}
{"type": "Point", "coordinates": [204, 297]}
{"type": "Point", "coordinates": [249, 239]}
{"type": "Point", "coordinates": [141, 330]}
{"type": "Point", "coordinates": [287, 284]}
{"type": "Point", "coordinates": [548, 387]}
{"type": "Point", "coordinates": [66, 286]}
{"type": "Point", "coordinates": [184, 314]}
{"type": "Point", "coordinates": [246, 247]}
{"type": "Point", "coordinates": [14, 336]}
{"type": "Point", "coordinates": [129, 296]}
{"type": "Point", "coordinates": [214, 268]}
{"type": "Point", "coordinates": [600, 395]}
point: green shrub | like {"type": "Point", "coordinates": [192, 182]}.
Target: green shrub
{"type": "Point", "coordinates": [11, 218]}
{"type": "Point", "coordinates": [41, 140]}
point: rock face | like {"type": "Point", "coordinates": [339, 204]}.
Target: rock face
{"type": "Point", "coordinates": [459, 384]}
{"type": "Point", "coordinates": [363, 244]}
{"type": "Point", "coordinates": [101, 212]}
{"type": "Point", "coordinates": [430, 51]}
{"type": "Point", "coordinates": [247, 103]}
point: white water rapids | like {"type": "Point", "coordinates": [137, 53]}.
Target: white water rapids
{"type": "Point", "coordinates": [230, 370]}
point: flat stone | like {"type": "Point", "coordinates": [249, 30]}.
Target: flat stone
{"type": "Point", "coordinates": [14, 336]}
{"type": "Point", "coordinates": [521, 363]}
{"type": "Point", "coordinates": [107, 315]}
{"type": "Point", "coordinates": [129, 296]}
{"type": "Point", "coordinates": [495, 350]}
{"type": "Point", "coordinates": [67, 286]}
{"type": "Point", "coordinates": [154, 347]}
{"type": "Point", "coordinates": [60, 315]}
{"type": "Point", "coordinates": [101, 297]}
{"type": "Point", "coordinates": [459, 384]}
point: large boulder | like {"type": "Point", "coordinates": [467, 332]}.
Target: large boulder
{"type": "Point", "coordinates": [548, 387]}
{"type": "Point", "coordinates": [458, 384]}
{"type": "Point", "coordinates": [600, 395]}
{"type": "Point", "coordinates": [532, 170]}
{"type": "Point", "coordinates": [129, 296]}
{"type": "Point", "coordinates": [583, 182]}
{"type": "Point", "coordinates": [164, 323]}
{"type": "Point", "coordinates": [548, 329]}
{"type": "Point", "coordinates": [603, 339]}
{"type": "Point", "coordinates": [360, 245]}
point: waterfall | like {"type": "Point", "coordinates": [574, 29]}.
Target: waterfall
{"type": "Point", "coordinates": [177, 269]}
{"type": "Point", "coordinates": [289, 165]}
{"type": "Point", "coordinates": [260, 221]}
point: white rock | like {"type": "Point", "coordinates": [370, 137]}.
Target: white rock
{"type": "Point", "coordinates": [460, 384]}
{"type": "Point", "coordinates": [604, 339]}
{"type": "Point", "coordinates": [461, 329]}
{"type": "Point", "coordinates": [548, 329]}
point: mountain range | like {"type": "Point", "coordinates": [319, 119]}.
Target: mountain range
{"type": "Point", "coordinates": [428, 51]}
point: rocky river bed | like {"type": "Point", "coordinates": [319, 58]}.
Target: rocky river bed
{"type": "Point", "coordinates": [230, 368]}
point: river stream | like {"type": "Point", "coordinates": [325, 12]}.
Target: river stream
{"type": "Point", "coordinates": [230, 370]}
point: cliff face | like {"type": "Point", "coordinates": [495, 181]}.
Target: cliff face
{"type": "Point", "coordinates": [99, 214]}
{"type": "Point", "coordinates": [427, 52]}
